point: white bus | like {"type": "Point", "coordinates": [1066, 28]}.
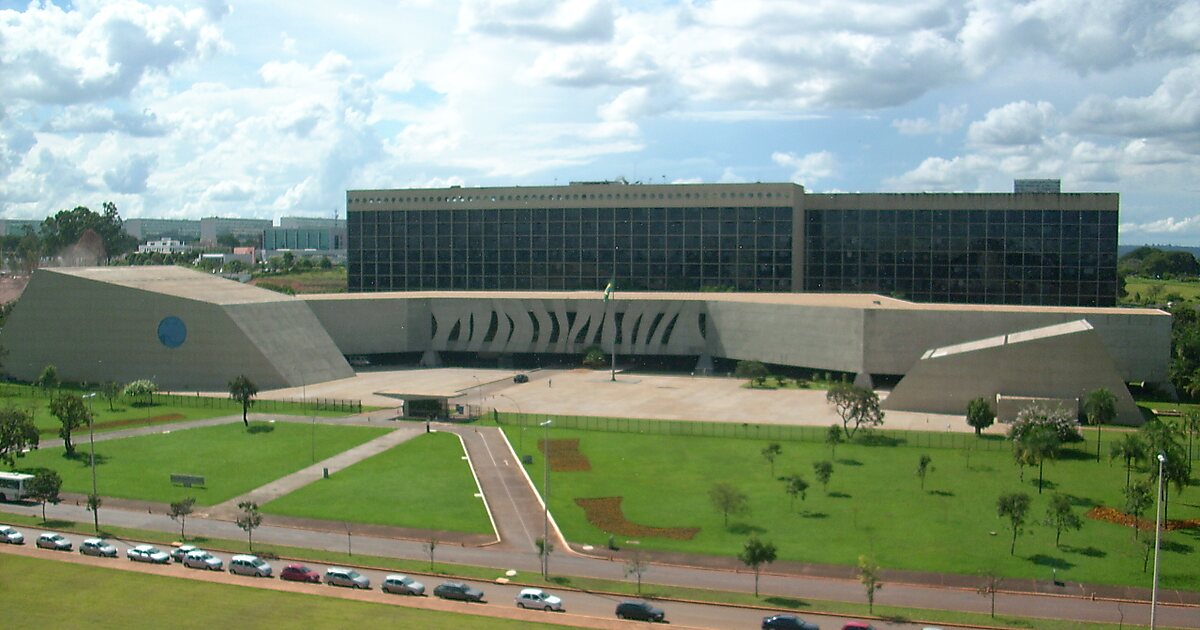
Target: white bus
{"type": "Point", "coordinates": [14, 486]}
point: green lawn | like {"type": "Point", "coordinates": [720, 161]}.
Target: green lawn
{"type": "Point", "coordinates": [232, 459]}
{"type": "Point", "coordinates": [60, 595]}
{"type": "Point", "coordinates": [875, 506]}
{"type": "Point", "coordinates": [1149, 289]}
{"type": "Point", "coordinates": [423, 483]}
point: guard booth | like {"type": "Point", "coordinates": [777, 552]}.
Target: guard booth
{"type": "Point", "coordinates": [425, 405]}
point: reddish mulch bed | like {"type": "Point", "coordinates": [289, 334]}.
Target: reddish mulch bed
{"type": "Point", "coordinates": [605, 513]}
{"type": "Point", "coordinates": [170, 417]}
{"type": "Point", "coordinates": [1113, 515]}
{"type": "Point", "coordinates": [565, 456]}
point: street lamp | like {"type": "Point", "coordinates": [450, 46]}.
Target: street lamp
{"type": "Point", "coordinates": [546, 498]}
{"type": "Point", "coordinates": [1158, 516]}
{"type": "Point", "coordinates": [479, 394]}
{"type": "Point", "coordinates": [92, 447]}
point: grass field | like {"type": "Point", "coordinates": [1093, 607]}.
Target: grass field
{"type": "Point", "coordinates": [874, 506]}
{"type": "Point", "coordinates": [315, 281]}
{"type": "Point", "coordinates": [233, 460]}
{"type": "Point", "coordinates": [60, 595]}
{"type": "Point", "coordinates": [1158, 290]}
{"type": "Point", "coordinates": [423, 483]}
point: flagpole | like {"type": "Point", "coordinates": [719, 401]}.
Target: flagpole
{"type": "Point", "coordinates": [612, 374]}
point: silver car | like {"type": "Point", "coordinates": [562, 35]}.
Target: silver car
{"type": "Point", "coordinates": [147, 553]}
{"type": "Point", "coordinates": [50, 540]}
{"type": "Point", "coordinates": [538, 599]}
{"type": "Point", "coordinates": [11, 536]}
{"type": "Point", "coordinates": [180, 552]}
{"type": "Point", "coordinates": [201, 559]}
{"type": "Point", "coordinates": [402, 585]}
{"type": "Point", "coordinates": [246, 564]}
{"type": "Point", "coordinates": [97, 547]}
{"type": "Point", "coordinates": [337, 576]}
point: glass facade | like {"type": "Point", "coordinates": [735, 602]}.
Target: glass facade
{"type": "Point", "coordinates": [656, 249]}
{"type": "Point", "coordinates": [1035, 257]}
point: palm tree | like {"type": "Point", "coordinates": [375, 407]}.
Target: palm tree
{"type": "Point", "coordinates": [1191, 424]}
{"type": "Point", "coordinates": [1100, 406]}
{"type": "Point", "coordinates": [1130, 448]}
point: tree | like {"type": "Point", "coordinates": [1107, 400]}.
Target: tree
{"type": "Point", "coordinates": [868, 574]}
{"type": "Point", "coordinates": [1060, 516]}
{"type": "Point", "coordinates": [924, 465]}
{"type": "Point", "coordinates": [431, 545]}
{"type": "Point", "coordinates": [795, 486]}
{"type": "Point", "coordinates": [728, 500]}
{"type": "Point", "coordinates": [1100, 406]}
{"type": "Point", "coordinates": [44, 488]}
{"type": "Point", "coordinates": [68, 227]}
{"type": "Point", "coordinates": [1037, 445]}
{"type": "Point", "coordinates": [72, 413]}
{"type": "Point", "coordinates": [243, 390]}
{"type": "Point", "coordinates": [93, 505]}
{"type": "Point", "coordinates": [249, 520]}
{"type": "Point", "coordinates": [110, 390]}
{"type": "Point", "coordinates": [545, 548]}
{"type": "Point", "coordinates": [325, 263]}
{"type": "Point", "coordinates": [1130, 448]}
{"type": "Point", "coordinates": [753, 370]}
{"type": "Point", "coordinates": [141, 390]}
{"type": "Point", "coordinates": [17, 433]}
{"type": "Point", "coordinates": [833, 437]}
{"type": "Point", "coordinates": [989, 588]}
{"type": "Point", "coordinates": [180, 511]}
{"type": "Point", "coordinates": [1166, 439]}
{"type": "Point", "coordinates": [756, 553]}
{"type": "Point", "coordinates": [823, 471]}
{"type": "Point", "coordinates": [48, 379]}
{"type": "Point", "coordinates": [1191, 424]}
{"type": "Point", "coordinates": [856, 406]}
{"type": "Point", "coordinates": [636, 567]}
{"type": "Point", "coordinates": [769, 453]}
{"type": "Point", "coordinates": [980, 415]}
{"type": "Point", "coordinates": [1138, 497]}
{"type": "Point", "coordinates": [1015, 507]}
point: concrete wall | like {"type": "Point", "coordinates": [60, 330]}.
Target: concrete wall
{"type": "Point", "coordinates": [816, 337]}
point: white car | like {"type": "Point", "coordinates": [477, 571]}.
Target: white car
{"type": "Point", "coordinates": [178, 553]}
{"type": "Point", "coordinates": [11, 536]}
{"type": "Point", "coordinates": [97, 547]}
{"type": "Point", "coordinates": [49, 540]}
{"type": "Point", "coordinates": [402, 585]}
{"type": "Point", "coordinates": [539, 599]}
{"type": "Point", "coordinates": [249, 565]}
{"type": "Point", "coordinates": [337, 576]}
{"type": "Point", "coordinates": [147, 553]}
{"type": "Point", "coordinates": [201, 559]}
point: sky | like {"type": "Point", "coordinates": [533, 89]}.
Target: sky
{"type": "Point", "coordinates": [275, 108]}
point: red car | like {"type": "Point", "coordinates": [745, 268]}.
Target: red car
{"type": "Point", "coordinates": [858, 625]}
{"type": "Point", "coordinates": [299, 573]}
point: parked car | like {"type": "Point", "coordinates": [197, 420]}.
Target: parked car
{"type": "Point", "coordinates": [147, 553]}
{"type": "Point", "coordinates": [249, 565]}
{"type": "Point", "coordinates": [337, 576]}
{"type": "Point", "coordinates": [299, 573]}
{"type": "Point", "coordinates": [459, 591]}
{"type": "Point", "coordinates": [640, 611]}
{"type": "Point", "coordinates": [520, 378]}
{"type": "Point", "coordinates": [857, 625]}
{"type": "Point", "coordinates": [537, 598]}
{"type": "Point", "coordinates": [402, 585]}
{"type": "Point", "coordinates": [97, 547]}
{"type": "Point", "coordinates": [11, 536]}
{"type": "Point", "coordinates": [58, 542]}
{"type": "Point", "coordinates": [787, 622]}
{"type": "Point", "coordinates": [178, 553]}
{"type": "Point", "coordinates": [201, 559]}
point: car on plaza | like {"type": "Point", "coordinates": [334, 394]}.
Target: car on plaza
{"type": "Point", "coordinates": [201, 559]}
{"type": "Point", "coordinates": [50, 540]}
{"type": "Point", "coordinates": [640, 611]}
{"type": "Point", "coordinates": [402, 585]}
{"type": "Point", "coordinates": [520, 378]}
{"type": "Point", "coordinates": [337, 576]}
{"type": "Point", "coordinates": [147, 553]}
{"type": "Point", "coordinates": [539, 599]}
{"type": "Point", "coordinates": [11, 536]}
{"type": "Point", "coordinates": [857, 625]}
{"type": "Point", "coordinates": [787, 622]}
{"type": "Point", "coordinates": [459, 591]}
{"type": "Point", "coordinates": [97, 547]}
{"type": "Point", "coordinates": [299, 573]}
{"type": "Point", "coordinates": [180, 551]}
{"type": "Point", "coordinates": [246, 564]}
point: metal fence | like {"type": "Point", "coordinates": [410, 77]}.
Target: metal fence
{"type": "Point", "coordinates": [203, 402]}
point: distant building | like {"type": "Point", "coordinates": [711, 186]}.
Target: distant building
{"type": "Point", "coordinates": [312, 223]}
{"type": "Point", "coordinates": [297, 239]}
{"type": "Point", "coordinates": [213, 228]}
{"type": "Point", "coordinates": [163, 246]}
{"type": "Point", "coordinates": [1037, 186]}
{"type": "Point", "coordinates": [17, 227]}
{"type": "Point", "coordinates": [176, 229]}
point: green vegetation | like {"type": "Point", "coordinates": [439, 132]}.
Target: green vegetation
{"type": "Point", "coordinates": [97, 600]}
{"type": "Point", "coordinates": [951, 526]}
{"type": "Point", "coordinates": [423, 483]}
{"type": "Point", "coordinates": [232, 459]}
{"type": "Point", "coordinates": [314, 280]}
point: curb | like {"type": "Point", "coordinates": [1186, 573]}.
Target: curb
{"type": "Point", "coordinates": [486, 506]}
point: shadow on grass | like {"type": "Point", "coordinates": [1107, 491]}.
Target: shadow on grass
{"type": "Point", "coordinates": [559, 580]}
{"type": "Point", "coordinates": [1070, 454]}
{"type": "Point", "coordinates": [85, 459]}
{"type": "Point", "coordinates": [55, 523]}
{"type": "Point", "coordinates": [1175, 546]}
{"type": "Point", "coordinates": [807, 514]}
{"type": "Point", "coordinates": [837, 495]}
{"type": "Point", "coordinates": [898, 619]}
{"type": "Point", "coordinates": [875, 439]}
{"type": "Point", "coordinates": [1091, 552]}
{"type": "Point", "coordinates": [849, 462]}
{"type": "Point", "coordinates": [787, 602]}
{"type": "Point", "coordinates": [1081, 501]}
{"type": "Point", "coordinates": [1045, 485]}
{"type": "Point", "coordinates": [941, 493]}
{"type": "Point", "coordinates": [1042, 560]}
{"type": "Point", "coordinates": [744, 529]}
{"type": "Point", "coordinates": [259, 427]}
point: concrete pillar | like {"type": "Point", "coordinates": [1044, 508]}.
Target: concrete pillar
{"type": "Point", "coordinates": [431, 359]}
{"type": "Point", "coordinates": [863, 380]}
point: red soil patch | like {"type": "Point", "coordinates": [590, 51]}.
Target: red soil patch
{"type": "Point", "coordinates": [565, 456]}
{"type": "Point", "coordinates": [605, 513]}
{"type": "Point", "coordinates": [1115, 516]}
{"type": "Point", "coordinates": [170, 417]}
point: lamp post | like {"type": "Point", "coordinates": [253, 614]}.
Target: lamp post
{"type": "Point", "coordinates": [1158, 515]}
{"type": "Point", "coordinates": [478, 394]}
{"type": "Point", "coordinates": [546, 498]}
{"type": "Point", "coordinates": [92, 448]}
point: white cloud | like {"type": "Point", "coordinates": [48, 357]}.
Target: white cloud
{"type": "Point", "coordinates": [97, 119]}
{"type": "Point", "coordinates": [949, 119]}
{"type": "Point", "coordinates": [1168, 225]}
{"type": "Point", "coordinates": [1173, 109]}
{"type": "Point", "coordinates": [551, 20]}
{"type": "Point", "coordinates": [1020, 123]}
{"type": "Point", "coordinates": [130, 175]}
{"type": "Point", "coordinates": [809, 168]}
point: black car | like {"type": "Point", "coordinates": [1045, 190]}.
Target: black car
{"type": "Point", "coordinates": [788, 622]}
{"type": "Point", "coordinates": [459, 591]}
{"type": "Point", "coordinates": [640, 611]}
{"type": "Point", "coordinates": [520, 378]}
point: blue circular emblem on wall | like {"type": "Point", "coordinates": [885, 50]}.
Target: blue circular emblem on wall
{"type": "Point", "coordinates": [172, 332]}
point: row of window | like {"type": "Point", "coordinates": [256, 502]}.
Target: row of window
{"type": "Point", "coordinates": [478, 196]}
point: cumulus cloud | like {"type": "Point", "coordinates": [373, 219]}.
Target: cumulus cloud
{"type": "Point", "coordinates": [97, 119]}
{"type": "Point", "coordinates": [809, 168]}
{"type": "Point", "coordinates": [551, 20]}
{"type": "Point", "coordinates": [130, 176]}
{"type": "Point", "coordinates": [1173, 108]}
{"type": "Point", "coordinates": [1015, 124]}
{"type": "Point", "coordinates": [949, 119]}
{"type": "Point", "coordinates": [1168, 225]}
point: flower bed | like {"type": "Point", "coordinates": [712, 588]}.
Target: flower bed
{"type": "Point", "coordinates": [1117, 517]}
{"type": "Point", "coordinates": [605, 513]}
{"type": "Point", "coordinates": [565, 456]}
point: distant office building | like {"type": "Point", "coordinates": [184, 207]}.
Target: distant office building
{"type": "Point", "coordinates": [213, 228]}
{"type": "Point", "coordinates": [17, 227]}
{"type": "Point", "coordinates": [298, 239]}
{"type": "Point", "coordinates": [312, 223]}
{"type": "Point", "coordinates": [1037, 186]}
{"type": "Point", "coordinates": [163, 246]}
{"type": "Point", "coordinates": [177, 229]}
{"type": "Point", "coordinates": [996, 248]}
